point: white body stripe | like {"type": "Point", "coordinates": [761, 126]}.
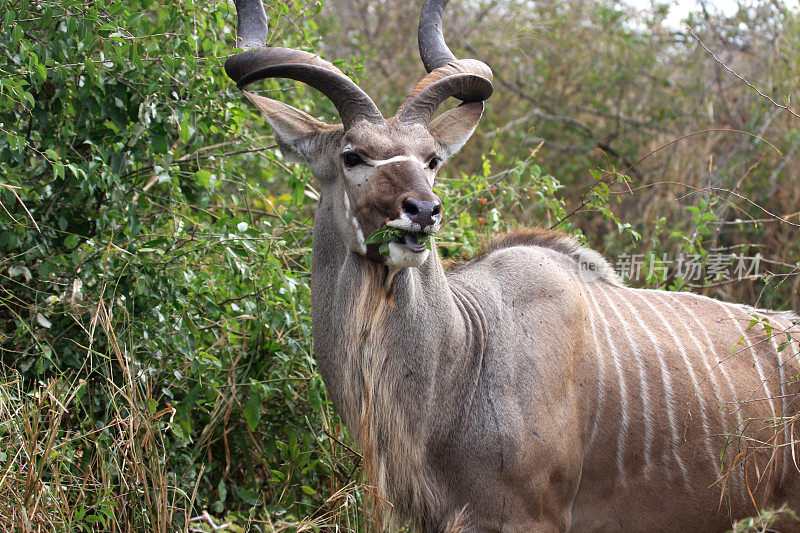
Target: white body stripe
{"type": "Point", "coordinates": [754, 354]}
{"type": "Point", "coordinates": [670, 397]}
{"type": "Point", "coordinates": [623, 432]}
{"type": "Point", "coordinates": [782, 419]}
{"type": "Point", "coordinates": [727, 309]}
{"type": "Point", "coordinates": [709, 346]}
{"type": "Point", "coordinates": [695, 382]}
{"type": "Point", "coordinates": [646, 411]}
{"type": "Point", "coordinates": [601, 382]}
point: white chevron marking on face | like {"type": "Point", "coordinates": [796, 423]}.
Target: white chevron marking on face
{"type": "Point", "coordinates": [359, 175]}
{"type": "Point", "coordinates": [395, 159]}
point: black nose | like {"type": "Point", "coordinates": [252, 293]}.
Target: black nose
{"type": "Point", "coordinates": [422, 212]}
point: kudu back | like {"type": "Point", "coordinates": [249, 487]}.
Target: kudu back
{"type": "Point", "coordinates": [528, 389]}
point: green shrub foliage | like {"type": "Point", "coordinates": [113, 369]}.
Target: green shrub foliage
{"type": "Point", "coordinates": [155, 296]}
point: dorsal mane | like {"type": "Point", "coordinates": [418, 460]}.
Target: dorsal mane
{"type": "Point", "coordinates": [557, 241]}
{"type": "Point", "coordinates": [541, 237]}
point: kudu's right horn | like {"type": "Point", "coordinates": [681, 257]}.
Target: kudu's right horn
{"type": "Point", "coordinates": [468, 80]}
{"type": "Point", "coordinates": [432, 48]}
{"type": "Point", "coordinates": [258, 62]}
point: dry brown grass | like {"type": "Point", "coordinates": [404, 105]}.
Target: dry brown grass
{"type": "Point", "coordinates": [57, 472]}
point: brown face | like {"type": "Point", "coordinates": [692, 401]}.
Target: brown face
{"type": "Point", "coordinates": [388, 173]}
{"type": "Point", "coordinates": [380, 176]}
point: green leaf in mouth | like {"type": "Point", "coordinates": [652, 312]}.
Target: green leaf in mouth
{"type": "Point", "coordinates": [383, 236]}
{"type": "Point", "coordinates": [386, 234]}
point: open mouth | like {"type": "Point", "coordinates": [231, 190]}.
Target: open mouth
{"type": "Point", "coordinates": [413, 241]}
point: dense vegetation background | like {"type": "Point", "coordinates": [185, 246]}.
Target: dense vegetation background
{"type": "Point", "coordinates": [155, 343]}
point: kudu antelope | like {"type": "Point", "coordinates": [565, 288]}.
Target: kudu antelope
{"type": "Point", "coordinates": [528, 389]}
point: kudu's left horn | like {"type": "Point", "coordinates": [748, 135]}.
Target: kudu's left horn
{"type": "Point", "coordinates": [468, 80]}
{"type": "Point", "coordinates": [259, 62]}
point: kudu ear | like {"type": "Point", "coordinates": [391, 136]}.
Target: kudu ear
{"type": "Point", "coordinates": [453, 128]}
{"type": "Point", "coordinates": [296, 132]}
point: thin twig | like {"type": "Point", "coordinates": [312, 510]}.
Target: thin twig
{"type": "Point", "coordinates": [729, 69]}
{"type": "Point", "coordinates": [692, 134]}
{"type": "Point", "coordinates": [194, 495]}
{"type": "Point", "coordinates": [11, 188]}
{"type": "Point", "coordinates": [348, 448]}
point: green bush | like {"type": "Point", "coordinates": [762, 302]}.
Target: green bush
{"type": "Point", "coordinates": [154, 311]}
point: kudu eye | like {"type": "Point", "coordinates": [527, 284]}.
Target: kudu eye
{"type": "Point", "coordinates": [434, 163]}
{"type": "Point", "coordinates": [352, 159]}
